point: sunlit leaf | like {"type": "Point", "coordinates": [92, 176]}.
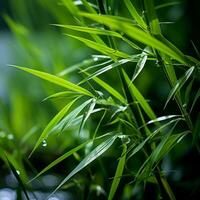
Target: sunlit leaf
{"type": "Point", "coordinates": [136, 34]}
{"type": "Point", "coordinates": [17, 176]}
{"type": "Point", "coordinates": [108, 88]}
{"type": "Point", "coordinates": [138, 96]}
{"type": "Point", "coordinates": [56, 80]}
{"type": "Point", "coordinates": [52, 123]}
{"type": "Point", "coordinates": [135, 14]}
{"type": "Point", "coordinates": [100, 47]}
{"type": "Point", "coordinates": [140, 65]}
{"type": "Point", "coordinates": [70, 117]}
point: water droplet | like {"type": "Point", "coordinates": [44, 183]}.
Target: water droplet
{"type": "Point", "coordinates": [10, 137]}
{"type": "Point", "coordinates": [96, 58]}
{"type": "Point", "coordinates": [18, 172]}
{"type": "Point", "coordinates": [44, 143]}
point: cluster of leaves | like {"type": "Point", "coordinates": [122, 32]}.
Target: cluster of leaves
{"type": "Point", "coordinates": [130, 118]}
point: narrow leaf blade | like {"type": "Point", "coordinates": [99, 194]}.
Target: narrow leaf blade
{"type": "Point", "coordinates": [118, 173]}
{"type": "Point", "coordinates": [99, 150]}
{"type": "Point", "coordinates": [51, 124]}
{"type": "Point", "coordinates": [56, 80]}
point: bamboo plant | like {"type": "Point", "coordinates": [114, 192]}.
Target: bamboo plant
{"type": "Point", "coordinates": [143, 135]}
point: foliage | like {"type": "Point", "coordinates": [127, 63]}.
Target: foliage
{"type": "Point", "coordinates": [104, 110]}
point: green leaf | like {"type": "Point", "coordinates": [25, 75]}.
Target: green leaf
{"type": "Point", "coordinates": [88, 6]}
{"type": "Point", "coordinates": [67, 94]}
{"type": "Point", "coordinates": [74, 10]}
{"type": "Point", "coordinates": [188, 92]}
{"type": "Point", "coordinates": [68, 119]}
{"type": "Point", "coordinates": [168, 189]}
{"type": "Point", "coordinates": [87, 114]}
{"type": "Point", "coordinates": [166, 145]}
{"type": "Point", "coordinates": [52, 123]}
{"type": "Point", "coordinates": [17, 176]}
{"type": "Point", "coordinates": [152, 135]}
{"type": "Point", "coordinates": [179, 84]}
{"type": "Point", "coordinates": [56, 80]}
{"type": "Point", "coordinates": [133, 58]}
{"type": "Point", "coordinates": [69, 4]}
{"type": "Point", "coordinates": [109, 89]}
{"type": "Point", "coordinates": [137, 34]}
{"type": "Point", "coordinates": [99, 65]}
{"type": "Point", "coordinates": [99, 150]}
{"type": "Point", "coordinates": [166, 5]}
{"type": "Point", "coordinates": [118, 173]}
{"type": "Point", "coordinates": [138, 96]}
{"type": "Point", "coordinates": [152, 18]}
{"type": "Point", "coordinates": [101, 48]}
{"type": "Point", "coordinates": [74, 67]}
{"type": "Point", "coordinates": [135, 14]}
{"type": "Point", "coordinates": [195, 99]}
{"type": "Point", "coordinates": [60, 159]}
{"type": "Point", "coordinates": [140, 65]}
{"type": "Point", "coordinates": [90, 30]}
{"type": "Point", "coordinates": [163, 118]}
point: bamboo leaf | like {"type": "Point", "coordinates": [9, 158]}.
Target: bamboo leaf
{"type": "Point", "coordinates": [17, 176]}
{"type": "Point", "coordinates": [188, 92]}
{"type": "Point", "coordinates": [88, 6]}
{"type": "Point", "coordinates": [152, 18]}
{"type": "Point", "coordinates": [87, 114]}
{"type": "Point", "coordinates": [67, 94]}
{"type": "Point", "coordinates": [195, 99]}
{"type": "Point", "coordinates": [179, 84]}
{"type": "Point", "coordinates": [90, 30]}
{"type": "Point", "coordinates": [138, 96]}
{"type": "Point", "coordinates": [133, 58]}
{"type": "Point", "coordinates": [68, 119]}
{"type": "Point", "coordinates": [135, 14]}
{"type": "Point", "coordinates": [60, 159]}
{"type": "Point", "coordinates": [166, 145]}
{"type": "Point", "coordinates": [100, 47]}
{"type": "Point", "coordinates": [163, 118]}
{"type": "Point", "coordinates": [56, 80]}
{"type": "Point", "coordinates": [99, 150]}
{"type": "Point", "coordinates": [74, 67]}
{"type": "Point", "coordinates": [166, 5]}
{"type": "Point", "coordinates": [97, 65]}
{"type": "Point", "coordinates": [136, 34]}
{"type": "Point", "coordinates": [151, 136]}
{"type": "Point", "coordinates": [69, 4]}
{"type": "Point", "coordinates": [140, 65]}
{"type": "Point", "coordinates": [118, 173]}
{"type": "Point", "coordinates": [108, 88]}
{"type": "Point", "coordinates": [52, 123]}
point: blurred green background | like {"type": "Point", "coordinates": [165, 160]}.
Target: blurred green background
{"type": "Point", "coordinates": [28, 39]}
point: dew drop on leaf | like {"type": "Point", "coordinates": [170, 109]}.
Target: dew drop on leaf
{"type": "Point", "coordinates": [18, 172]}
{"type": "Point", "coordinates": [96, 59]}
{"type": "Point", "coordinates": [44, 143]}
